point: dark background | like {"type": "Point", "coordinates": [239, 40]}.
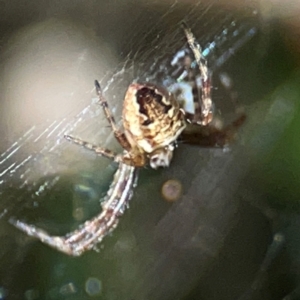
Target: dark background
{"type": "Point", "coordinates": [237, 206]}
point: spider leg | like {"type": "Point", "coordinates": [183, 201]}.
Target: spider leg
{"type": "Point", "coordinates": [205, 104]}
{"type": "Point", "coordinates": [97, 149]}
{"type": "Point", "coordinates": [120, 136]}
{"type": "Point", "coordinates": [211, 136]}
{"type": "Point", "coordinates": [132, 159]}
{"type": "Point", "coordinates": [88, 235]}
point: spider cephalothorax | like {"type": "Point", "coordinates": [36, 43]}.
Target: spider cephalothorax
{"type": "Point", "coordinates": [152, 121]}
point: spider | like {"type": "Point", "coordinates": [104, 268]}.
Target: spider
{"type": "Point", "coordinates": [153, 120]}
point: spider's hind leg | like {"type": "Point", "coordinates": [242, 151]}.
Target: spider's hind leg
{"type": "Point", "coordinates": [211, 135]}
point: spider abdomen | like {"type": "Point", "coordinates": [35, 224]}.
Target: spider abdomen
{"type": "Point", "coordinates": [152, 117]}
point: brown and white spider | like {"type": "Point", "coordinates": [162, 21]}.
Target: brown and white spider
{"type": "Point", "coordinates": [153, 121]}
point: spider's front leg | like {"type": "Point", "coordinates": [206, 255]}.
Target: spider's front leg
{"type": "Point", "coordinates": [88, 235]}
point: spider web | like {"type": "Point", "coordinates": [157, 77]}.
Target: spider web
{"type": "Point", "coordinates": [33, 161]}
{"type": "Point", "coordinates": [36, 163]}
